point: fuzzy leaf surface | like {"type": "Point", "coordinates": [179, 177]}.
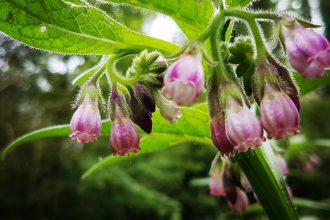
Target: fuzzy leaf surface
{"type": "Point", "coordinates": [71, 27]}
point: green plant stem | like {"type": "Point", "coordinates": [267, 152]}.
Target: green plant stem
{"type": "Point", "coordinates": [95, 77]}
{"type": "Point", "coordinates": [114, 75]}
{"type": "Point", "coordinates": [244, 14]}
{"type": "Point", "coordinates": [248, 16]}
{"type": "Point", "coordinates": [259, 42]}
{"type": "Point", "coordinates": [213, 27]}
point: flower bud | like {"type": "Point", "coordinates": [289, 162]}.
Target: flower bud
{"type": "Point", "coordinates": [216, 185]}
{"type": "Point", "coordinates": [282, 165]}
{"type": "Point", "coordinates": [168, 109]}
{"type": "Point", "coordinates": [141, 106]}
{"type": "Point", "coordinates": [309, 163]}
{"type": "Point", "coordinates": [124, 137]}
{"type": "Point", "coordinates": [237, 200]}
{"type": "Point", "coordinates": [279, 115]}
{"type": "Point", "coordinates": [308, 52]}
{"type": "Point", "coordinates": [86, 122]}
{"type": "Point", "coordinates": [184, 81]}
{"type": "Point", "coordinates": [243, 128]}
{"type": "Point", "coordinates": [219, 137]}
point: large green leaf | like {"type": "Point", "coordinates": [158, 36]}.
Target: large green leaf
{"type": "Point", "coordinates": [192, 16]}
{"type": "Point", "coordinates": [188, 126]}
{"type": "Point", "coordinates": [71, 26]}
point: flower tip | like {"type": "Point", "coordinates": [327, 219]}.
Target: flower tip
{"type": "Point", "coordinates": [126, 152]}
{"type": "Point", "coordinates": [83, 137]}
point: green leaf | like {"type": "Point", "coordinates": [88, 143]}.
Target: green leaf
{"type": "Point", "coordinates": [261, 168]}
{"type": "Point", "coordinates": [188, 126]}
{"type": "Point", "coordinates": [52, 131]}
{"type": "Point", "coordinates": [238, 3]}
{"type": "Point", "coordinates": [72, 27]}
{"type": "Point", "coordinates": [191, 16]}
{"type": "Point", "coordinates": [149, 143]}
{"type": "Point", "coordinates": [308, 85]}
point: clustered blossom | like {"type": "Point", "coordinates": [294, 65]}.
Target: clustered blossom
{"type": "Point", "coordinates": [225, 182]}
{"type": "Point", "coordinates": [236, 125]}
{"type": "Point", "coordinates": [308, 52]}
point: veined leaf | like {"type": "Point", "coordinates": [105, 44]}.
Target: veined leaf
{"type": "Point", "coordinates": [191, 16]}
{"type": "Point", "coordinates": [72, 27]}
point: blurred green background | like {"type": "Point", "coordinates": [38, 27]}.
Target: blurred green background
{"type": "Point", "coordinates": [41, 180]}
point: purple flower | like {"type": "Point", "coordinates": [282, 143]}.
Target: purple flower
{"type": "Point", "coordinates": [282, 165]}
{"type": "Point", "coordinates": [237, 200]}
{"type": "Point", "coordinates": [184, 81]}
{"type": "Point", "coordinates": [219, 137]}
{"type": "Point", "coordinates": [124, 137]}
{"type": "Point", "coordinates": [242, 126]}
{"type": "Point", "coordinates": [309, 164]}
{"type": "Point", "coordinates": [86, 122]}
{"type": "Point", "coordinates": [308, 52]}
{"type": "Point", "coordinates": [216, 185]}
{"type": "Point", "coordinates": [279, 115]}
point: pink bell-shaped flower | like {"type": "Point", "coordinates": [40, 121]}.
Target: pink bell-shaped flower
{"type": "Point", "coordinates": [216, 185]}
{"type": "Point", "coordinates": [279, 115]}
{"type": "Point", "coordinates": [184, 80]}
{"type": "Point", "coordinates": [237, 200]}
{"type": "Point", "coordinates": [219, 137]}
{"type": "Point", "coordinates": [124, 137]}
{"type": "Point", "coordinates": [242, 126]}
{"type": "Point", "coordinates": [86, 122]}
{"type": "Point", "coordinates": [308, 52]}
{"type": "Point", "coordinates": [282, 165]}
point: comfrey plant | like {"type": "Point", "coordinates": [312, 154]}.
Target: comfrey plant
{"type": "Point", "coordinates": [251, 93]}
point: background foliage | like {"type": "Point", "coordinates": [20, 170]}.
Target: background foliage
{"type": "Point", "coordinates": [42, 179]}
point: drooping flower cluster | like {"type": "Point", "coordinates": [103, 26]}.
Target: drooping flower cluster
{"type": "Point", "coordinates": [225, 182]}
{"type": "Point", "coordinates": [228, 181]}
{"type": "Point", "coordinates": [128, 105]}
{"type": "Point", "coordinates": [236, 125]}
